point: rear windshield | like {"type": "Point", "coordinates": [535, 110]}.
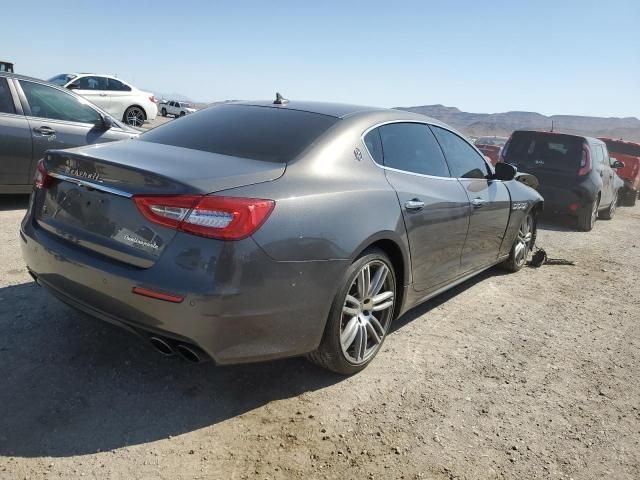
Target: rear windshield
{"type": "Point", "coordinates": [534, 150]}
{"type": "Point", "coordinates": [261, 133]}
{"type": "Point", "coordinates": [623, 148]}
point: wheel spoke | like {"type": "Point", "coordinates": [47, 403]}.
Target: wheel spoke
{"type": "Point", "coordinates": [349, 333]}
{"type": "Point", "coordinates": [374, 335]}
{"type": "Point", "coordinates": [376, 324]}
{"type": "Point", "coordinates": [382, 301]}
{"type": "Point", "coordinates": [519, 250]}
{"type": "Point", "coordinates": [364, 279]}
{"type": "Point", "coordinates": [378, 280]}
{"type": "Point", "coordinates": [351, 306]}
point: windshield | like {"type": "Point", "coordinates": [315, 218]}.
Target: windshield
{"type": "Point", "coordinates": [539, 150]}
{"type": "Point", "coordinates": [62, 79]}
{"type": "Point", "coordinates": [261, 133]}
{"type": "Point", "coordinates": [497, 141]}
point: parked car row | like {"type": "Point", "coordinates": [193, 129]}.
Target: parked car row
{"type": "Point", "coordinates": [491, 147]}
{"type": "Point", "coordinates": [305, 232]}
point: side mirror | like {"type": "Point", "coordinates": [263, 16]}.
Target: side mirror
{"type": "Point", "coordinates": [73, 86]}
{"type": "Point", "coordinates": [505, 171]}
{"type": "Point", "coordinates": [616, 163]}
{"type": "Point", "coordinates": [105, 122]}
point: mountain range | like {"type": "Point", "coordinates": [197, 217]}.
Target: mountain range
{"type": "Point", "coordinates": [502, 124]}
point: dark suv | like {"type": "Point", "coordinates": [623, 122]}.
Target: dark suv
{"type": "Point", "coordinates": [576, 174]}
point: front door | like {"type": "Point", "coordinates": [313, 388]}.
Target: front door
{"type": "Point", "coordinates": [434, 206]}
{"type": "Point", "coordinates": [58, 119]}
{"type": "Point", "coordinates": [94, 89]}
{"type": "Point", "coordinates": [15, 141]}
{"type": "Point", "coordinates": [490, 200]}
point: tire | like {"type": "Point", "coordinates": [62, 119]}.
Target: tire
{"type": "Point", "coordinates": [588, 216]}
{"type": "Point", "coordinates": [163, 112]}
{"type": "Point", "coordinates": [353, 334]}
{"type": "Point", "coordinates": [611, 211]}
{"type": "Point", "coordinates": [182, 114]}
{"type": "Point", "coordinates": [629, 198]}
{"type": "Point", "coordinates": [522, 245]}
{"type": "Point", "coordinates": [134, 116]}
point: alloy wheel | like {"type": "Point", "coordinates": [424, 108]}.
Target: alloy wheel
{"type": "Point", "coordinates": [523, 242]}
{"type": "Point", "coordinates": [594, 212]}
{"type": "Point", "coordinates": [135, 116]}
{"type": "Point", "coordinates": [367, 312]}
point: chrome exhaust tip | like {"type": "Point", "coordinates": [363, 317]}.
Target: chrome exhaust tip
{"type": "Point", "coordinates": [162, 346]}
{"type": "Point", "coordinates": [189, 353]}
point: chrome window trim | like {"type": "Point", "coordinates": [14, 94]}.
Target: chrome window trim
{"type": "Point", "coordinates": [85, 183]}
{"type": "Point", "coordinates": [413, 173]}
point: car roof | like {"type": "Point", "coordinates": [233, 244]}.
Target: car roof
{"type": "Point", "coordinates": [342, 110]}
{"type": "Point", "coordinates": [21, 77]}
{"type": "Point", "coordinates": [582, 137]}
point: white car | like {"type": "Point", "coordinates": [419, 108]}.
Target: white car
{"type": "Point", "coordinates": [115, 96]}
{"type": "Point", "coordinates": [175, 108]}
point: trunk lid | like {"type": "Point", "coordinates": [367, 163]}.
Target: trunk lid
{"type": "Point", "coordinates": [89, 198]}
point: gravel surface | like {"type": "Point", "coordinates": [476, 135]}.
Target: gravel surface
{"type": "Point", "coordinates": [528, 375]}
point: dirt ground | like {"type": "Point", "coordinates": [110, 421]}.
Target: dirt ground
{"type": "Point", "coordinates": [528, 375]}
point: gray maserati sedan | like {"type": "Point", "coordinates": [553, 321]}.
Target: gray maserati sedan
{"type": "Point", "coordinates": [254, 231]}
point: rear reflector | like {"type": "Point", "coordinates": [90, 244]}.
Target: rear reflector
{"type": "Point", "coordinates": [225, 218]}
{"type": "Point", "coordinates": [145, 292]}
{"type": "Point", "coordinates": [573, 207]}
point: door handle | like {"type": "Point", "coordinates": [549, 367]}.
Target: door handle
{"type": "Point", "coordinates": [414, 204]}
{"type": "Point", "coordinates": [45, 131]}
{"type": "Point", "coordinates": [103, 94]}
{"type": "Point", "coordinates": [478, 202]}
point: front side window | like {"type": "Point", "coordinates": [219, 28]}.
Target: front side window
{"type": "Point", "coordinates": [261, 133]}
{"type": "Point", "coordinates": [464, 161]}
{"type": "Point", "coordinates": [117, 85]}
{"type": "Point", "coordinates": [48, 102]}
{"type": "Point", "coordinates": [411, 147]}
{"type": "Point", "coordinates": [6, 100]}
{"type": "Point", "coordinates": [91, 83]}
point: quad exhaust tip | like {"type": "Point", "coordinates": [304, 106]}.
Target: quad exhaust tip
{"type": "Point", "coordinates": [168, 348]}
{"type": "Point", "coordinates": [162, 346]}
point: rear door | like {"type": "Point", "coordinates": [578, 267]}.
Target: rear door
{"type": "Point", "coordinates": [602, 166]}
{"type": "Point", "coordinates": [434, 206]}
{"type": "Point", "coordinates": [59, 119]}
{"type": "Point", "coordinates": [489, 199]}
{"type": "Point", "coordinates": [15, 139]}
{"type": "Point", "coordinates": [121, 97]}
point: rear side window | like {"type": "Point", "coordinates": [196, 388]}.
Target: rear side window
{"type": "Point", "coordinates": [262, 133]}
{"type": "Point", "coordinates": [6, 100]}
{"type": "Point", "coordinates": [463, 159]}
{"type": "Point", "coordinates": [411, 147]}
{"type": "Point", "coordinates": [117, 85]}
{"type": "Point", "coordinates": [374, 145]}
{"type": "Point", "coordinates": [548, 151]}
{"type": "Point", "coordinates": [91, 83]}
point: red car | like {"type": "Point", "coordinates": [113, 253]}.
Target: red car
{"type": "Point", "coordinates": [491, 147]}
{"type": "Point", "coordinates": [629, 154]}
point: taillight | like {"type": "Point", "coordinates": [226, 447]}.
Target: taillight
{"type": "Point", "coordinates": [585, 161]}
{"type": "Point", "coordinates": [153, 99]}
{"type": "Point", "coordinates": [41, 178]}
{"type": "Point", "coordinates": [225, 218]}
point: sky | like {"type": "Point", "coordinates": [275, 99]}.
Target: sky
{"type": "Point", "coordinates": [553, 57]}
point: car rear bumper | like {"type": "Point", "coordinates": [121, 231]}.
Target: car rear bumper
{"type": "Point", "coordinates": [239, 305]}
{"type": "Point", "coordinates": [565, 199]}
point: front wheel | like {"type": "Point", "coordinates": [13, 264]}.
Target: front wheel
{"type": "Point", "coordinates": [522, 245]}
{"type": "Point", "coordinates": [360, 315]}
{"type": "Point", "coordinates": [134, 116]}
{"type": "Point", "coordinates": [163, 112]}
